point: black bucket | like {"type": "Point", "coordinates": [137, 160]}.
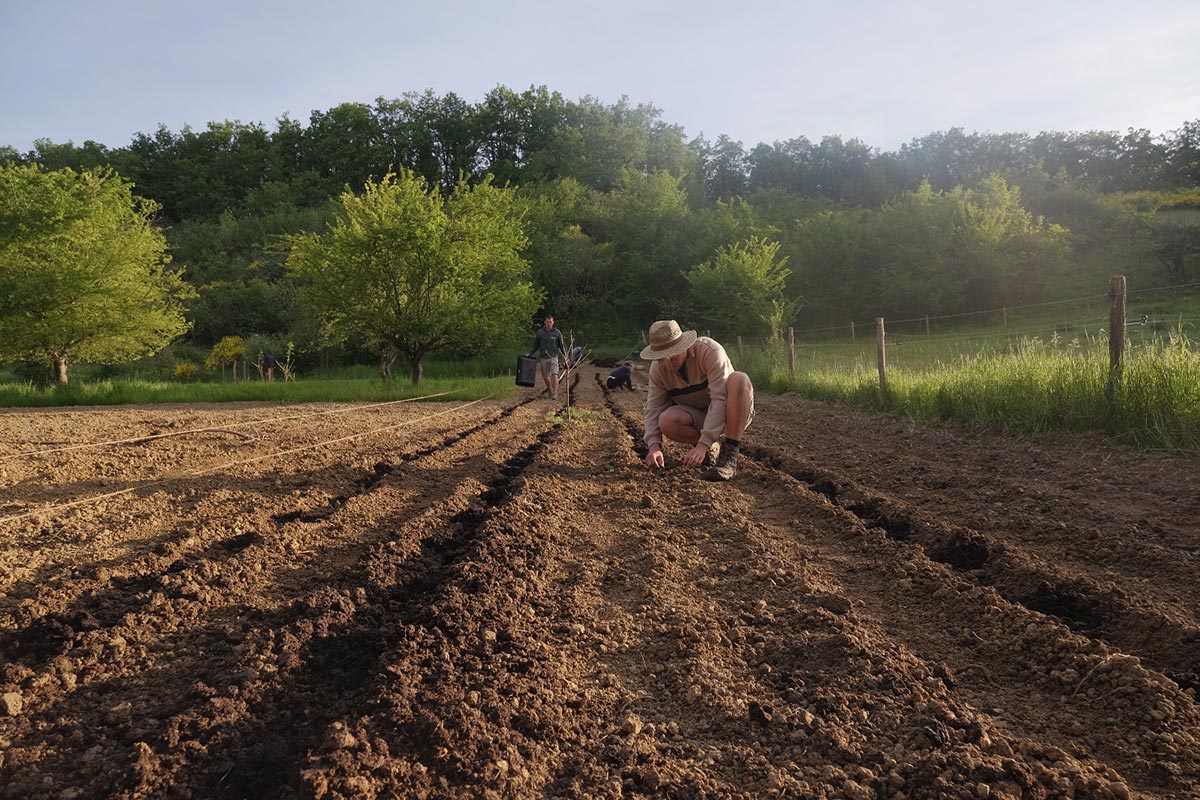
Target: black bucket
{"type": "Point", "coordinates": [526, 371]}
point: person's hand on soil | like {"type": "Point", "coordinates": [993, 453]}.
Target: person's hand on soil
{"type": "Point", "coordinates": [695, 455]}
{"type": "Point", "coordinates": [654, 458]}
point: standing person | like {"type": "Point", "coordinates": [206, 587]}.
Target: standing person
{"type": "Point", "coordinates": [269, 363]}
{"type": "Point", "coordinates": [621, 377]}
{"type": "Point", "coordinates": [548, 344]}
{"type": "Point", "coordinates": [694, 396]}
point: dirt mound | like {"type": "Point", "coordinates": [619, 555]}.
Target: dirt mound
{"type": "Point", "coordinates": [488, 601]}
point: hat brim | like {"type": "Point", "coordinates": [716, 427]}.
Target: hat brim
{"type": "Point", "coordinates": [685, 340]}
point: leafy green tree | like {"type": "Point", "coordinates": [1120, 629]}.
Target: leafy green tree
{"type": "Point", "coordinates": [726, 168]}
{"type": "Point", "coordinates": [833, 260]}
{"type": "Point", "coordinates": [597, 143]}
{"type": "Point", "coordinates": [345, 145]}
{"type": "Point", "coordinates": [653, 234]}
{"type": "Point", "coordinates": [1176, 233]}
{"type": "Point", "coordinates": [58, 156]}
{"type": "Point", "coordinates": [783, 166]}
{"type": "Point", "coordinates": [568, 253]}
{"type": "Point", "coordinates": [253, 306]}
{"type": "Point", "coordinates": [928, 252]}
{"type": "Point", "coordinates": [407, 271]}
{"type": "Point", "coordinates": [955, 158]}
{"type": "Point", "coordinates": [230, 350]}
{"type": "Point", "coordinates": [939, 252]}
{"type": "Point", "coordinates": [580, 281]}
{"type": "Point", "coordinates": [1182, 149]}
{"type": "Point", "coordinates": [513, 127]}
{"type": "Point", "coordinates": [1105, 237]}
{"type": "Point", "coordinates": [83, 272]}
{"type": "Point", "coordinates": [741, 288]}
{"type": "Point", "coordinates": [847, 172]}
{"type": "Point", "coordinates": [437, 137]}
{"type": "Point", "coordinates": [1167, 226]}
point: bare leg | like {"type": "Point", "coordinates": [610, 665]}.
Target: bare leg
{"type": "Point", "coordinates": [738, 404]}
{"type": "Point", "coordinates": [677, 426]}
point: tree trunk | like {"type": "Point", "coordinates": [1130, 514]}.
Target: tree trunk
{"type": "Point", "coordinates": [416, 370]}
{"type": "Point", "coordinates": [60, 370]}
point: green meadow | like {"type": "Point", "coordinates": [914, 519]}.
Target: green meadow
{"type": "Point", "coordinates": [1047, 371]}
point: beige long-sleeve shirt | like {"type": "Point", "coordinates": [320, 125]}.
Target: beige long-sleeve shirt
{"type": "Point", "coordinates": [699, 383]}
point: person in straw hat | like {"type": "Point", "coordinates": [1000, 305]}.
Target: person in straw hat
{"type": "Point", "coordinates": [694, 397]}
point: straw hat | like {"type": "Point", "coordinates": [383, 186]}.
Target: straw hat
{"type": "Point", "coordinates": [667, 340]}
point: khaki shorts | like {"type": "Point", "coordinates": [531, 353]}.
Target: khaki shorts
{"type": "Point", "coordinates": [698, 414]}
{"type": "Point", "coordinates": [547, 366]}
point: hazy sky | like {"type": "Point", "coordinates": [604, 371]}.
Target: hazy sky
{"type": "Point", "coordinates": [884, 72]}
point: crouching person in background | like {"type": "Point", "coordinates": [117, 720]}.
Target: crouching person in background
{"type": "Point", "coordinates": [621, 377]}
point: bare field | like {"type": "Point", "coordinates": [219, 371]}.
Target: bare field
{"type": "Point", "coordinates": [477, 603]}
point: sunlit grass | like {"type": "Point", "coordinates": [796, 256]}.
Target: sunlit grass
{"type": "Point", "coordinates": [1034, 386]}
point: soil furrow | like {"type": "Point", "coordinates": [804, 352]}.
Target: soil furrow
{"type": "Point", "coordinates": [508, 604]}
{"type": "Point", "coordinates": [185, 596]}
{"type": "Point", "coordinates": [336, 661]}
{"type": "Point", "coordinates": [104, 598]}
{"type": "Point", "coordinates": [1164, 641]}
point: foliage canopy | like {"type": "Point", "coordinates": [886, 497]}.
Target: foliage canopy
{"type": "Point", "coordinates": [409, 271]}
{"type": "Point", "coordinates": [619, 208]}
{"type": "Point", "coordinates": [83, 271]}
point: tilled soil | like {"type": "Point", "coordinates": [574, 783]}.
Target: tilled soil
{"type": "Point", "coordinates": [441, 600]}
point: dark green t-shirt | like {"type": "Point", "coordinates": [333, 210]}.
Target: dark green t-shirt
{"type": "Point", "coordinates": [548, 342]}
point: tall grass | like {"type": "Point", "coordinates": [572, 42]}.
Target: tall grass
{"type": "Point", "coordinates": [120, 392]}
{"type": "Point", "coordinates": [1035, 386]}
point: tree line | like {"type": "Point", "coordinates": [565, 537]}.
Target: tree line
{"type": "Point", "coordinates": [624, 220]}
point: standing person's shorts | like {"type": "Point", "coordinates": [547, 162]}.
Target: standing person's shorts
{"type": "Point", "coordinates": [547, 366]}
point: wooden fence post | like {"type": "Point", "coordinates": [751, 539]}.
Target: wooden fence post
{"type": "Point", "coordinates": [741, 350]}
{"type": "Point", "coordinates": [926, 324]}
{"type": "Point", "coordinates": [881, 357]}
{"type": "Point", "coordinates": [1005, 310]}
{"type": "Point", "coordinates": [1116, 333]}
{"type": "Point", "coordinates": [792, 352]}
{"type": "Point", "coordinates": [852, 336]}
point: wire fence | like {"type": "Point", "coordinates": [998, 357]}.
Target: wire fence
{"type": "Point", "coordinates": [1001, 311]}
{"type": "Point", "coordinates": [931, 341]}
{"type": "Point", "coordinates": [1132, 370]}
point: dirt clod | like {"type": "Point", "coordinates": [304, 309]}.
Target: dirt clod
{"type": "Point", "coordinates": [11, 703]}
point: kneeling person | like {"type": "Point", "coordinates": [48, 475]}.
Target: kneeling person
{"type": "Point", "coordinates": [621, 377]}
{"type": "Point", "coordinates": [694, 397]}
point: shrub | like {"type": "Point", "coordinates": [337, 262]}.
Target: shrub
{"type": "Point", "coordinates": [185, 371]}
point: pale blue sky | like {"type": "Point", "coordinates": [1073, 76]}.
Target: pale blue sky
{"type": "Point", "coordinates": [759, 70]}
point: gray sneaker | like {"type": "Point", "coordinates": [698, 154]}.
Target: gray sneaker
{"type": "Point", "coordinates": [726, 466]}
